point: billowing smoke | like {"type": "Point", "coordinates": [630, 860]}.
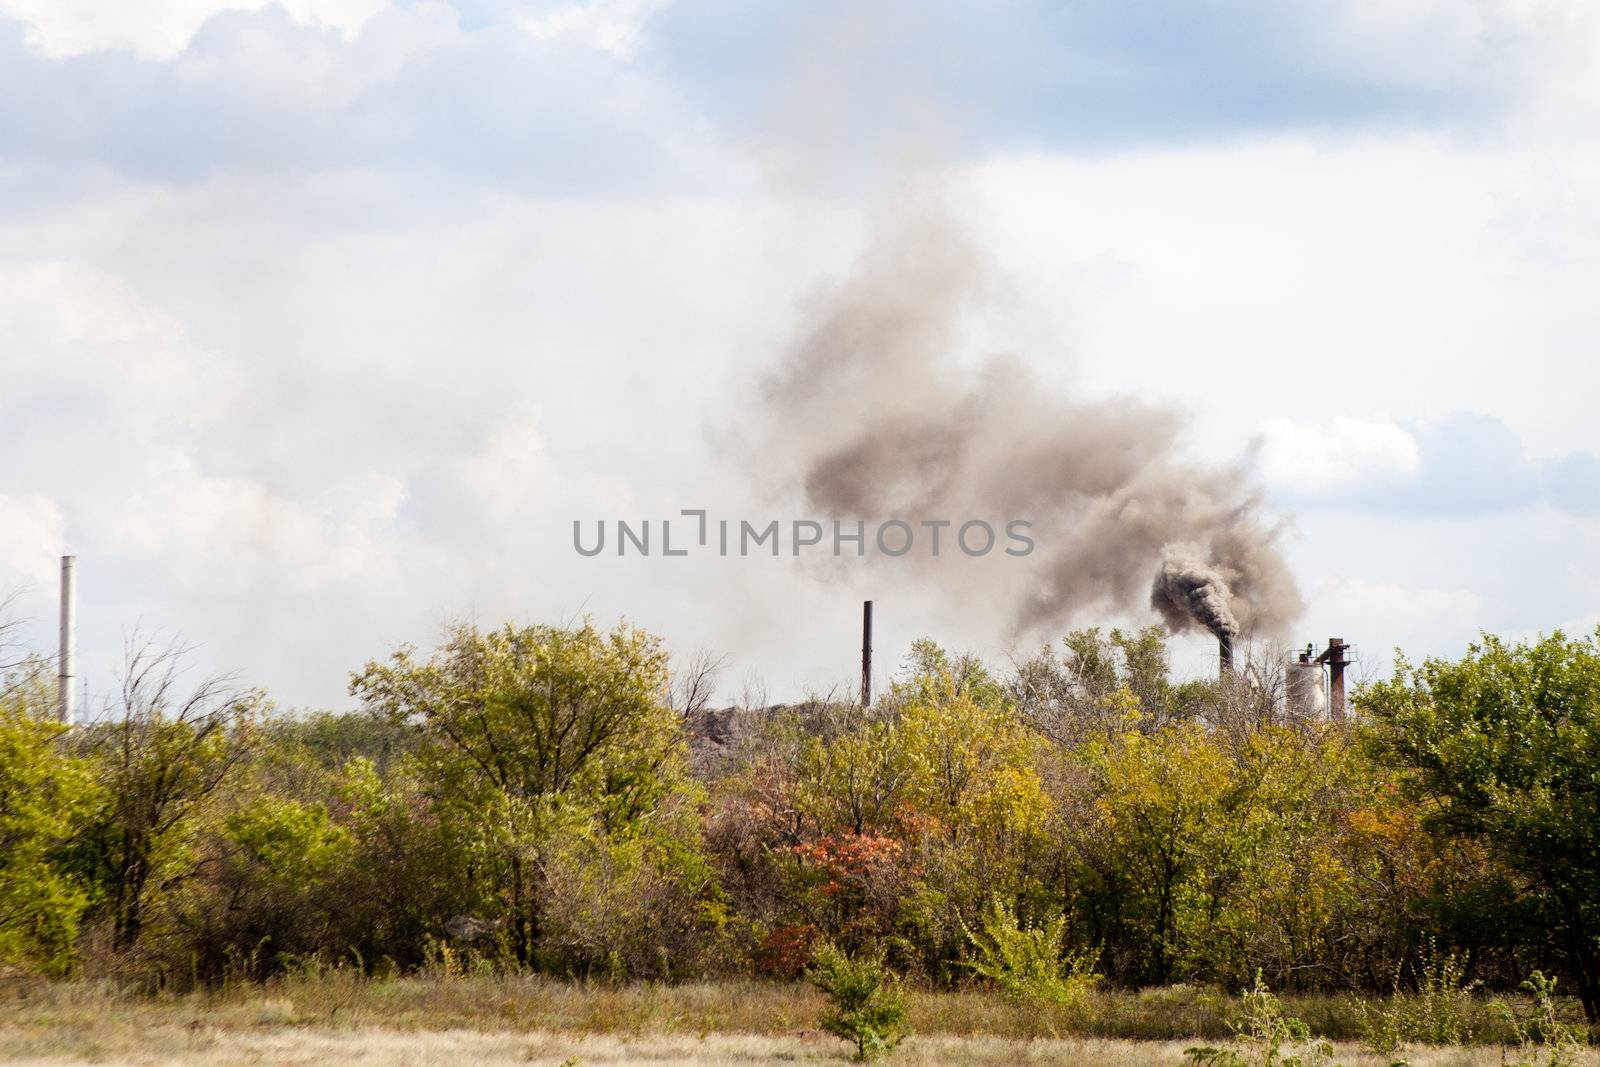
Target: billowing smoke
{"type": "Point", "coordinates": [874, 413]}
{"type": "Point", "coordinates": [1187, 588]}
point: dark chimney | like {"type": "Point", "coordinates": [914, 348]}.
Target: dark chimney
{"type": "Point", "coordinates": [1337, 661]}
{"type": "Point", "coordinates": [866, 653]}
{"type": "Point", "coordinates": [1225, 652]}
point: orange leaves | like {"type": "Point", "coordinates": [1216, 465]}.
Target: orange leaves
{"type": "Point", "coordinates": [849, 855]}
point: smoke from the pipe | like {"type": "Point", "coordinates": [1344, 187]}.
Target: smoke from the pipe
{"type": "Point", "coordinates": [1188, 588]}
{"type": "Point", "coordinates": [872, 415]}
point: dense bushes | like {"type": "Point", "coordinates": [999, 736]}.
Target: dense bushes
{"type": "Point", "coordinates": [524, 799]}
{"type": "Point", "coordinates": [1503, 753]}
{"type": "Point", "coordinates": [44, 798]}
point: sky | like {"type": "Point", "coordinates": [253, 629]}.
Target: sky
{"type": "Point", "coordinates": [322, 321]}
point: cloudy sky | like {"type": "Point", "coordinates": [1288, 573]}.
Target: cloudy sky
{"type": "Point", "coordinates": [321, 321]}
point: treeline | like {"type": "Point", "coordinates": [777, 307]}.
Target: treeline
{"type": "Point", "coordinates": [553, 799]}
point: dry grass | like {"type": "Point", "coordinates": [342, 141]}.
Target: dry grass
{"type": "Point", "coordinates": [341, 1017]}
{"type": "Point", "coordinates": [282, 1046]}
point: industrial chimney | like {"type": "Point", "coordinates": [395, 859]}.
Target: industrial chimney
{"type": "Point", "coordinates": [866, 653]}
{"type": "Point", "coordinates": [67, 673]}
{"type": "Point", "coordinates": [1337, 660]}
{"type": "Point", "coordinates": [1225, 654]}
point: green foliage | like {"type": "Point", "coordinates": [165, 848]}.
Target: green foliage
{"type": "Point", "coordinates": [1501, 747]}
{"type": "Point", "coordinates": [931, 673]}
{"type": "Point", "coordinates": [1028, 961]}
{"type": "Point", "coordinates": [1267, 1035]}
{"type": "Point", "coordinates": [854, 782]}
{"type": "Point", "coordinates": [1543, 1039]}
{"type": "Point", "coordinates": [1156, 824]}
{"type": "Point", "coordinates": [524, 799]}
{"type": "Point", "coordinates": [1089, 688]}
{"type": "Point", "coordinates": [331, 740]}
{"type": "Point", "coordinates": [163, 761]}
{"type": "Point", "coordinates": [1436, 1013]}
{"type": "Point", "coordinates": [532, 736]}
{"type": "Point", "coordinates": [1201, 854]}
{"type": "Point", "coordinates": [541, 714]}
{"type": "Point", "coordinates": [411, 866]}
{"type": "Point", "coordinates": [45, 797]}
{"type": "Point", "coordinates": [866, 1004]}
{"type": "Point", "coordinates": [641, 904]}
{"type": "Point", "coordinates": [949, 782]}
{"type": "Point", "coordinates": [283, 869]}
{"type": "Point", "coordinates": [970, 766]}
{"type": "Point", "coordinates": [287, 842]}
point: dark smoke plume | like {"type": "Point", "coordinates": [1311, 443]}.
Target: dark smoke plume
{"type": "Point", "coordinates": [872, 415]}
{"type": "Point", "coordinates": [1188, 588]}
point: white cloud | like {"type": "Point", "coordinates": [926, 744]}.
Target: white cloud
{"type": "Point", "coordinates": [220, 536]}
{"type": "Point", "coordinates": [75, 336]}
{"type": "Point", "coordinates": [32, 540]}
{"type": "Point", "coordinates": [1310, 277]}
{"type": "Point", "coordinates": [1575, 629]}
{"type": "Point", "coordinates": [345, 366]}
{"type": "Point", "coordinates": [612, 26]}
{"type": "Point", "coordinates": [420, 404]}
{"type": "Point", "coordinates": [1459, 464]}
{"type": "Point", "coordinates": [510, 470]}
{"type": "Point", "coordinates": [1309, 456]}
{"type": "Point", "coordinates": [1396, 604]}
{"type": "Point", "coordinates": [1378, 616]}
{"type": "Point", "coordinates": [158, 29]}
{"type": "Point", "coordinates": [1583, 626]}
{"type": "Point", "coordinates": [415, 100]}
{"type": "Point", "coordinates": [1444, 44]}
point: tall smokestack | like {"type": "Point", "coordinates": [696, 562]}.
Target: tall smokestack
{"type": "Point", "coordinates": [866, 653]}
{"type": "Point", "coordinates": [69, 639]}
{"type": "Point", "coordinates": [1337, 661]}
{"type": "Point", "coordinates": [1225, 654]}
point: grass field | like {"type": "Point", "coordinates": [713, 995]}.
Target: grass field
{"type": "Point", "coordinates": [481, 1021]}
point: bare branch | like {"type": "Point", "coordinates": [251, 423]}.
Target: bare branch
{"type": "Point", "coordinates": [693, 686]}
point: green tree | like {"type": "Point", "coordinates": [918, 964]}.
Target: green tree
{"type": "Point", "coordinates": [931, 672]}
{"type": "Point", "coordinates": [866, 1004]}
{"type": "Point", "coordinates": [166, 753]}
{"type": "Point", "coordinates": [1281, 889]}
{"type": "Point", "coordinates": [854, 782]}
{"type": "Point", "coordinates": [271, 887]}
{"type": "Point", "coordinates": [1503, 748]}
{"type": "Point", "coordinates": [416, 861]}
{"type": "Point", "coordinates": [1087, 689]}
{"type": "Point", "coordinates": [635, 903]}
{"type": "Point", "coordinates": [970, 766]}
{"type": "Point", "coordinates": [44, 797]}
{"type": "Point", "coordinates": [1149, 836]}
{"type": "Point", "coordinates": [536, 731]}
{"type": "Point", "coordinates": [1029, 960]}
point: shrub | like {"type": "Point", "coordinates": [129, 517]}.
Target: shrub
{"type": "Point", "coordinates": [852, 884]}
{"type": "Point", "coordinates": [785, 951]}
{"type": "Point", "coordinates": [1027, 961]}
{"type": "Point", "coordinates": [866, 1004]}
{"type": "Point", "coordinates": [1437, 1014]}
{"type": "Point", "coordinates": [1543, 1040]}
{"type": "Point", "coordinates": [635, 905]}
{"type": "Point", "coordinates": [45, 797]}
{"type": "Point", "coordinates": [1272, 1038]}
